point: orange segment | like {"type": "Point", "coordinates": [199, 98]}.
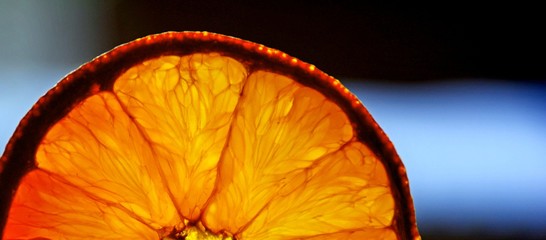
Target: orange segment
{"type": "Point", "coordinates": [183, 107]}
{"type": "Point", "coordinates": [200, 136]}
{"type": "Point", "coordinates": [50, 207]}
{"type": "Point", "coordinates": [96, 152]}
{"type": "Point", "coordinates": [345, 191]}
{"type": "Point", "coordinates": [258, 163]}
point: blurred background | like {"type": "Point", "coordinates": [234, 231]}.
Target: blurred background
{"type": "Point", "coordinates": [460, 88]}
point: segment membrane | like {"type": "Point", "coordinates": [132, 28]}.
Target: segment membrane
{"type": "Point", "coordinates": [198, 139]}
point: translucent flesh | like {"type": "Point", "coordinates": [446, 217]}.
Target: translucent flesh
{"type": "Point", "coordinates": [199, 139]}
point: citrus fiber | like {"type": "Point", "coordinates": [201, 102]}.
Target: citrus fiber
{"type": "Point", "coordinates": [196, 135]}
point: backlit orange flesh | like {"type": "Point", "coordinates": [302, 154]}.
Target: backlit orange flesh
{"type": "Point", "coordinates": [207, 137]}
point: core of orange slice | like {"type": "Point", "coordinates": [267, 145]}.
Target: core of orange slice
{"type": "Point", "coordinates": [194, 135]}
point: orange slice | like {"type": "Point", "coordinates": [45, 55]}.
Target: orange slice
{"type": "Point", "coordinates": [197, 135]}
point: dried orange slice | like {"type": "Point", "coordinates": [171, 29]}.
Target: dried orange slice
{"type": "Point", "coordinates": [197, 135]}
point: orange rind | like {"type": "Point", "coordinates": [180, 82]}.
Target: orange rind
{"type": "Point", "coordinates": [196, 135]}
